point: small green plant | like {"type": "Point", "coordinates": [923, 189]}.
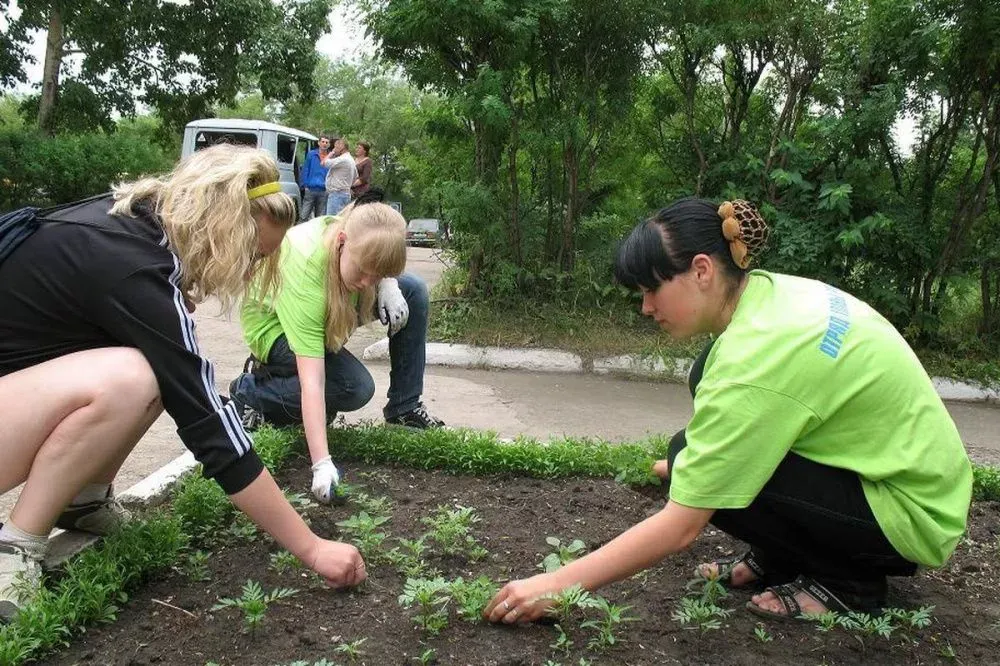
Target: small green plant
{"type": "Point", "coordinates": [242, 528]}
{"type": "Point", "coordinates": [914, 619]}
{"type": "Point", "coordinates": [562, 554]}
{"type": "Point", "coordinates": [565, 602]}
{"type": "Point", "coordinates": [373, 505]}
{"type": "Point", "coordinates": [196, 566]}
{"type": "Point", "coordinates": [947, 651]}
{"type": "Point", "coordinates": [760, 633]}
{"type": "Point", "coordinates": [563, 643]}
{"type": "Point", "coordinates": [363, 530]}
{"type": "Point", "coordinates": [708, 588]}
{"type": "Point", "coordinates": [253, 603]}
{"type": "Point", "coordinates": [700, 615]}
{"type": "Point", "coordinates": [430, 596]}
{"type": "Point", "coordinates": [283, 561]}
{"type": "Point", "coordinates": [408, 558]}
{"type": "Point", "coordinates": [471, 597]}
{"type": "Point", "coordinates": [352, 650]}
{"type": "Point", "coordinates": [613, 616]}
{"type": "Point", "coordinates": [428, 656]}
{"type": "Point", "coordinates": [300, 501]}
{"type": "Point", "coordinates": [450, 530]}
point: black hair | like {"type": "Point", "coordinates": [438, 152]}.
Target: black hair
{"type": "Point", "coordinates": [373, 195]}
{"type": "Point", "coordinates": [663, 246]}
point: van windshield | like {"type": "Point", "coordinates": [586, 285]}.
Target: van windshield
{"type": "Point", "coordinates": [205, 138]}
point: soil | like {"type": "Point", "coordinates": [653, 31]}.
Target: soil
{"type": "Point", "coordinates": [517, 515]}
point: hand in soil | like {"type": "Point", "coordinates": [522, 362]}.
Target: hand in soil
{"type": "Point", "coordinates": [523, 601]}
{"type": "Point", "coordinates": [741, 577]}
{"type": "Point", "coordinates": [340, 564]}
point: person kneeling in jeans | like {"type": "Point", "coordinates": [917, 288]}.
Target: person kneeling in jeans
{"type": "Point", "coordinates": [336, 273]}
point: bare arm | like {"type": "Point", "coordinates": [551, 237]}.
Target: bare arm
{"type": "Point", "coordinates": [312, 378]}
{"type": "Point", "coordinates": [641, 546]}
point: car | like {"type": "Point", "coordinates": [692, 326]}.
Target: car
{"type": "Point", "coordinates": [287, 145]}
{"type": "Point", "coordinates": [425, 231]}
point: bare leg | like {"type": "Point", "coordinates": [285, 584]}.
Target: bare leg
{"type": "Point", "coordinates": [87, 411]}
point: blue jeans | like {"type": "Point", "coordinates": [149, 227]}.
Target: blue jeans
{"type": "Point", "coordinates": [335, 201]}
{"type": "Point", "coordinates": [273, 389]}
{"type": "Point", "coordinates": [313, 204]}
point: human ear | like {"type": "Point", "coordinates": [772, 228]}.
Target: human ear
{"type": "Point", "coordinates": [704, 269]}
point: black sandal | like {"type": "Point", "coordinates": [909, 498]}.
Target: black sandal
{"type": "Point", "coordinates": [786, 595]}
{"type": "Point", "coordinates": [724, 570]}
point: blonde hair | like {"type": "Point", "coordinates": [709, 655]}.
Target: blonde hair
{"type": "Point", "coordinates": [377, 234]}
{"type": "Point", "coordinates": [210, 222]}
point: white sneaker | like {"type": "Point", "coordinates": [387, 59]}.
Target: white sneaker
{"type": "Point", "coordinates": [101, 517]}
{"type": "Point", "coordinates": [20, 577]}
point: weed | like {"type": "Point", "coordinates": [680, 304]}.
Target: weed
{"type": "Point", "coordinates": [376, 476]}
{"type": "Point", "coordinates": [947, 651]}
{"type": "Point", "coordinates": [373, 505]}
{"type": "Point", "coordinates": [760, 633]}
{"type": "Point", "coordinates": [430, 596]}
{"type": "Point", "coordinates": [363, 530]}
{"type": "Point", "coordinates": [352, 650]}
{"type": "Point", "coordinates": [450, 531]}
{"type": "Point", "coordinates": [605, 627]}
{"type": "Point", "coordinates": [428, 656]}
{"type": "Point", "coordinates": [471, 597]}
{"type": "Point", "coordinates": [569, 599]}
{"type": "Point", "coordinates": [299, 501]}
{"type": "Point", "coordinates": [253, 603]}
{"type": "Point", "coordinates": [242, 528]}
{"type": "Point", "coordinates": [196, 566]}
{"type": "Point", "coordinates": [700, 614]}
{"type": "Point", "coordinates": [563, 642]}
{"type": "Point", "coordinates": [562, 555]}
{"type": "Point", "coordinates": [283, 561]}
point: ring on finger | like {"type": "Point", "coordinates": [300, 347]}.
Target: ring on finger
{"type": "Point", "coordinates": [506, 606]}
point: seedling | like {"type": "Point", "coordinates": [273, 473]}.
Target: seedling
{"type": "Point", "coordinates": [760, 633]}
{"type": "Point", "coordinates": [709, 588]}
{"type": "Point", "coordinates": [563, 642]}
{"type": "Point", "coordinates": [471, 597]}
{"type": "Point", "coordinates": [300, 501]}
{"type": "Point", "coordinates": [254, 603]}
{"type": "Point", "coordinates": [450, 531]}
{"type": "Point", "coordinates": [363, 530]}
{"type": "Point", "coordinates": [196, 566]}
{"type": "Point", "coordinates": [408, 558]}
{"type": "Point", "coordinates": [352, 649]}
{"type": "Point", "coordinates": [614, 615]}
{"type": "Point", "coordinates": [562, 555]}
{"type": "Point", "coordinates": [373, 505]}
{"type": "Point", "coordinates": [569, 599]}
{"type": "Point", "coordinates": [428, 656]}
{"type": "Point", "coordinates": [915, 619]}
{"type": "Point", "coordinates": [430, 597]}
{"type": "Point", "coordinates": [242, 528]}
{"type": "Point", "coordinates": [701, 615]}
{"type": "Point", "coordinates": [283, 561]}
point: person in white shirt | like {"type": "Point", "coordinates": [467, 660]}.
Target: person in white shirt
{"type": "Point", "coordinates": [341, 174]}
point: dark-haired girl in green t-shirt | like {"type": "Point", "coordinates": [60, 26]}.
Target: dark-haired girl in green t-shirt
{"type": "Point", "coordinates": [817, 437]}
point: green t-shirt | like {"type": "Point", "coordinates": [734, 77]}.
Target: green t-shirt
{"type": "Point", "coordinates": [804, 367]}
{"type": "Point", "coordinates": [299, 308]}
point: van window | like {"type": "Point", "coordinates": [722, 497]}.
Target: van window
{"type": "Point", "coordinates": [286, 149]}
{"type": "Point", "coordinates": [205, 138]}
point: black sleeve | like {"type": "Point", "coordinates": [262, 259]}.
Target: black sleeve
{"type": "Point", "coordinates": [146, 310]}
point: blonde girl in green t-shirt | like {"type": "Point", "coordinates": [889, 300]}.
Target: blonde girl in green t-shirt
{"type": "Point", "coordinates": [817, 438]}
{"type": "Point", "coordinates": [336, 273]}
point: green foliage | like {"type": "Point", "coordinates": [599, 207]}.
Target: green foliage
{"type": "Point", "coordinates": [39, 170]}
{"type": "Point", "coordinates": [363, 530]}
{"type": "Point", "coordinates": [253, 603]}
{"type": "Point", "coordinates": [562, 554]}
{"type": "Point", "coordinates": [985, 483]}
{"type": "Point", "coordinates": [352, 650]}
{"type": "Point", "coordinates": [700, 615]}
{"type": "Point", "coordinates": [604, 627]}
{"type": "Point", "coordinates": [408, 558]}
{"type": "Point", "coordinates": [471, 597]}
{"type": "Point", "coordinates": [450, 531]}
{"type": "Point", "coordinates": [761, 634]}
{"type": "Point", "coordinates": [283, 561]}
{"type": "Point", "coordinates": [196, 566]}
{"type": "Point", "coordinates": [479, 453]}
{"type": "Point", "coordinates": [430, 596]}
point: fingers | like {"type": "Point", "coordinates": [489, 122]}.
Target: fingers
{"type": "Point", "coordinates": [505, 607]}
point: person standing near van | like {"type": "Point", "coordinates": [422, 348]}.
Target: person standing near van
{"type": "Point", "coordinates": [340, 176]}
{"type": "Point", "coordinates": [312, 180]}
{"type": "Point", "coordinates": [364, 164]}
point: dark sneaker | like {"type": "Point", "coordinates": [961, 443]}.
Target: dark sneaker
{"type": "Point", "coordinates": [249, 417]}
{"type": "Point", "coordinates": [20, 577]}
{"type": "Point", "coordinates": [101, 517]}
{"type": "Point", "coordinates": [417, 418]}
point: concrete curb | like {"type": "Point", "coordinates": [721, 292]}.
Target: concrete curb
{"type": "Point", "coordinates": [553, 360]}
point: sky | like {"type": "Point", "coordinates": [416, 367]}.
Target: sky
{"type": "Point", "coordinates": [346, 41]}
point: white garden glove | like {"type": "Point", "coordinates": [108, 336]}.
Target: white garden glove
{"type": "Point", "coordinates": [392, 308]}
{"type": "Point", "coordinates": [325, 479]}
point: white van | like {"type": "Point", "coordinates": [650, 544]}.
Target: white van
{"type": "Point", "coordinates": [287, 145]}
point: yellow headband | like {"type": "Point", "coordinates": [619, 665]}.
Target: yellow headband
{"type": "Point", "coordinates": [263, 190]}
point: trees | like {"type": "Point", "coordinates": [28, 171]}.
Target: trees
{"type": "Point", "coordinates": [178, 58]}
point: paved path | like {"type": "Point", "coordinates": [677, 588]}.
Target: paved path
{"type": "Point", "coordinates": [509, 403]}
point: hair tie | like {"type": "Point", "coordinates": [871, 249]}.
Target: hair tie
{"type": "Point", "coordinates": [744, 229]}
{"type": "Point", "coordinates": [263, 190]}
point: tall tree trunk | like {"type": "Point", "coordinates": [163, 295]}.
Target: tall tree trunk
{"type": "Point", "coordinates": [571, 163]}
{"type": "Point", "coordinates": [50, 72]}
{"type": "Point", "coordinates": [514, 233]}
